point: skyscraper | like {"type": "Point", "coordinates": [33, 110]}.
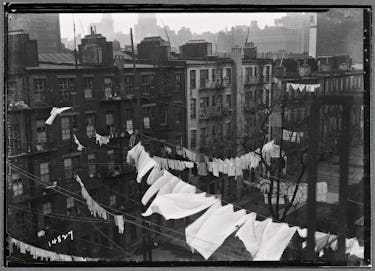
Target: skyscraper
{"type": "Point", "coordinates": [44, 28]}
{"type": "Point", "coordinates": [146, 26]}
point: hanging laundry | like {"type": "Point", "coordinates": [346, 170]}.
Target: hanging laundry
{"type": "Point", "coordinates": [119, 222]}
{"type": "Point", "coordinates": [251, 234]}
{"type": "Point", "coordinates": [134, 154]}
{"type": "Point", "coordinates": [155, 174]}
{"type": "Point", "coordinates": [145, 163]}
{"type": "Point", "coordinates": [41, 233]}
{"type": "Point", "coordinates": [179, 151]}
{"type": "Point", "coordinates": [220, 165]}
{"type": "Point", "coordinates": [189, 155]}
{"type": "Point", "coordinates": [168, 149]}
{"type": "Point", "coordinates": [225, 166]}
{"type": "Point", "coordinates": [275, 238]}
{"type": "Point", "coordinates": [132, 140]}
{"type": "Point", "coordinates": [292, 136]}
{"type": "Point", "coordinates": [54, 113]}
{"type": "Point", "coordinates": [93, 206]}
{"type": "Point", "coordinates": [79, 145]}
{"type": "Point", "coordinates": [155, 187]}
{"type": "Point", "coordinates": [237, 164]}
{"type": "Point", "coordinates": [169, 186]}
{"type": "Point", "coordinates": [180, 205]}
{"type": "Point", "coordinates": [171, 164]}
{"type": "Point", "coordinates": [192, 230]}
{"type": "Point", "coordinates": [164, 163]}
{"type": "Point", "coordinates": [43, 254]}
{"type": "Point", "coordinates": [210, 236]}
{"type": "Point", "coordinates": [202, 169]}
{"type": "Point", "coordinates": [183, 187]}
{"type": "Point", "coordinates": [231, 168]}
{"type": "Point", "coordinates": [209, 166]}
{"type": "Point", "coordinates": [295, 86]}
{"type": "Point", "coordinates": [189, 164]}
{"type": "Point", "coordinates": [101, 139]}
{"type": "Point", "coordinates": [266, 240]}
{"type": "Point", "coordinates": [215, 168]}
{"type": "Point", "coordinates": [322, 240]}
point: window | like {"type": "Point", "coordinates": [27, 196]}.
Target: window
{"type": "Point", "coordinates": [66, 86]}
{"type": "Point", "coordinates": [90, 124]}
{"type": "Point", "coordinates": [91, 164]}
{"type": "Point", "coordinates": [268, 73]}
{"type": "Point", "coordinates": [213, 100]}
{"type": "Point", "coordinates": [146, 122]}
{"type": "Point", "coordinates": [69, 203]}
{"type": "Point", "coordinates": [193, 108]}
{"type": "Point", "coordinates": [203, 136]}
{"type": "Point", "coordinates": [39, 88]}
{"type": "Point", "coordinates": [193, 139]}
{"type": "Point", "coordinates": [17, 187]}
{"type": "Point", "coordinates": [179, 113]}
{"type": "Point", "coordinates": [68, 168]}
{"type": "Point", "coordinates": [228, 130]}
{"type": "Point", "coordinates": [203, 104]}
{"type": "Point", "coordinates": [112, 200]}
{"type": "Point", "coordinates": [164, 117]}
{"type": "Point", "coordinates": [203, 78]}
{"type": "Point", "coordinates": [229, 76]}
{"type": "Point", "coordinates": [228, 101]}
{"type": "Point", "coordinates": [192, 79]}
{"type": "Point", "coordinates": [65, 128]}
{"type": "Point", "coordinates": [129, 125]}
{"type": "Point", "coordinates": [47, 208]}
{"type": "Point", "coordinates": [179, 83]}
{"type": "Point", "coordinates": [248, 74]}
{"type": "Point", "coordinates": [14, 137]}
{"type": "Point", "coordinates": [213, 75]}
{"type": "Point", "coordinates": [110, 121]}
{"type": "Point", "coordinates": [108, 87]}
{"type": "Point", "coordinates": [129, 82]}
{"type": "Point", "coordinates": [88, 87]}
{"type": "Point", "coordinates": [147, 81]}
{"type": "Point", "coordinates": [44, 172]}
{"type": "Point", "coordinates": [111, 160]}
{"type": "Point", "coordinates": [149, 111]}
{"type": "Point", "coordinates": [41, 131]}
{"type": "Point", "coordinates": [255, 71]}
{"type": "Point", "coordinates": [12, 89]}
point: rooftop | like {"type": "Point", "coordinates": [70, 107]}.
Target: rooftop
{"type": "Point", "coordinates": [56, 58]}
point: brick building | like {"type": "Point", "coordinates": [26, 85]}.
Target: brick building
{"type": "Point", "coordinates": [102, 98]}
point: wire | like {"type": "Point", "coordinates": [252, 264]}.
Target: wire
{"type": "Point", "coordinates": [57, 216]}
{"type": "Point", "coordinates": [132, 222]}
{"type": "Point", "coordinates": [85, 240]}
{"type": "Point", "coordinates": [129, 221]}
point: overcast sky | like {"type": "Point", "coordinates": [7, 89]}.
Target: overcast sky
{"type": "Point", "coordinates": [197, 22]}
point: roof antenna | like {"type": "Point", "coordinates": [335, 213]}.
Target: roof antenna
{"type": "Point", "coordinates": [75, 44]}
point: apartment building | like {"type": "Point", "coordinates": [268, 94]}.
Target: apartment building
{"type": "Point", "coordinates": [103, 101]}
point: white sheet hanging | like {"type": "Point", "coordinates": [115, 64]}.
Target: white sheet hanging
{"type": "Point", "coordinates": [180, 205]}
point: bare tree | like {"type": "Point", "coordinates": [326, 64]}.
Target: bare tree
{"type": "Point", "coordinates": [285, 192]}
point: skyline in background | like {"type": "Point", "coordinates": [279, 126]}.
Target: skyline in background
{"type": "Point", "coordinates": [213, 22]}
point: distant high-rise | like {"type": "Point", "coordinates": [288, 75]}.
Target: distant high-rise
{"type": "Point", "coordinates": [105, 26]}
{"type": "Point", "coordinates": [338, 32]}
{"type": "Point", "coordinates": [44, 28]}
{"type": "Point", "coordinates": [146, 26]}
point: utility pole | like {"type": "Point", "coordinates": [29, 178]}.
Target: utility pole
{"type": "Point", "coordinates": [138, 124]}
{"type": "Point", "coordinates": [283, 90]}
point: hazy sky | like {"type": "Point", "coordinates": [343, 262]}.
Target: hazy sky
{"type": "Point", "coordinates": [197, 22]}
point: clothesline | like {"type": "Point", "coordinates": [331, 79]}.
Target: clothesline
{"type": "Point", "coordinates": [135, 223]}
{"type": "Point", "coordinates": [167, 198]}
{"type": "Point", "coordinates": [127, 214]}
{"type": "Point", "coordinates": [46, 254]}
